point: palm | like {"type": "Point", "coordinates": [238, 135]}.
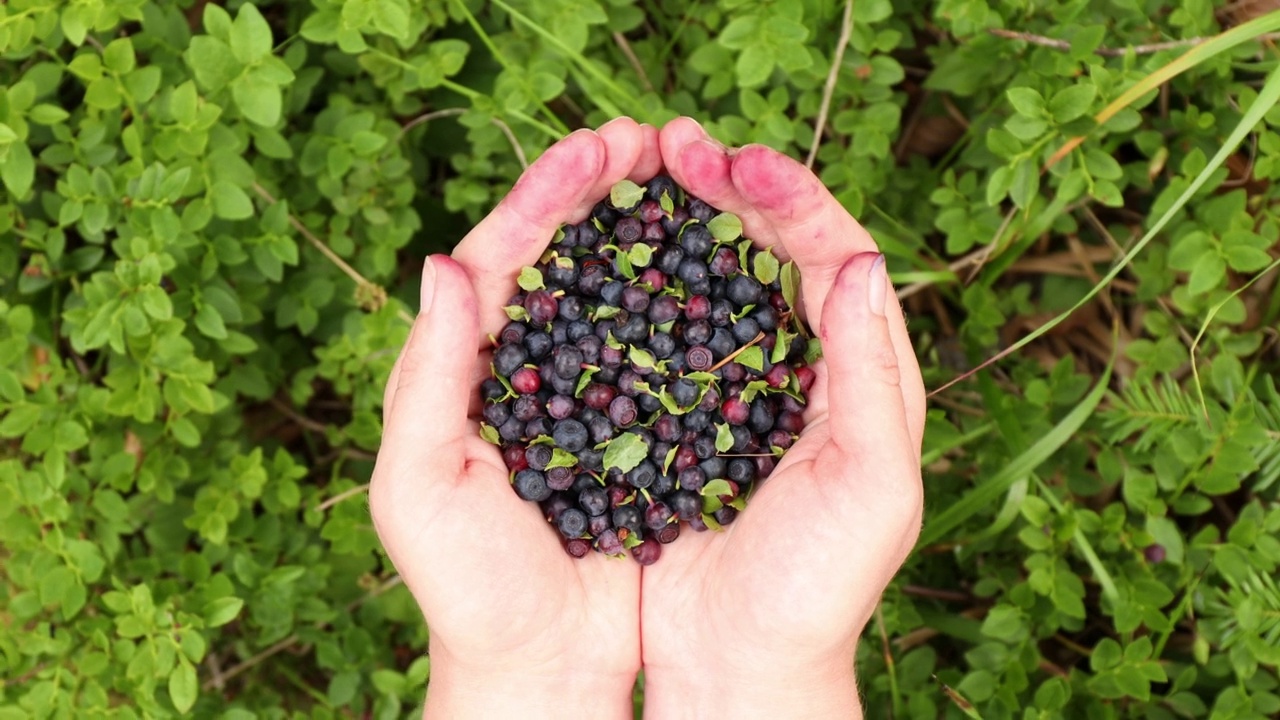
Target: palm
{"type": "Point", "coordinates": [800, 570]}
{"type": "Point", "coordinates": [494, 582]}
{"type": "Point", "coordinates": [496, 587]}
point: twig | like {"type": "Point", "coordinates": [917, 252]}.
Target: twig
{"type": "Point", "coordinates": [829, 89]}
{"type": "Point", "coordinates": [215, 669]}
{"type": "Point", "coordinates": [454, 112]}
{"type": "Point", "coordinates": [936, 594]}
{"type": "Point", "coordinates": [1107, 51]}
{"type": "Point", "coordinates": [351, 492]}
{"type": "Point", "coordinates": [292, 640]}
{"type": "Point", "coordinates": [888, 660]}
{"type": "Point", "coordinates": [625, 47]}
{"type": "Point", "coordinates": [363, 284]}
{"type": "Point", "coordinates": [298, 417]}
{"type": "Point", "coordinates": [729, 358]}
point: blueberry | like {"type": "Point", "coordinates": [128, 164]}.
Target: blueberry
{"type": "Point", "coordinates": [628, 230]}
{"type": "Point", "coordinates": [570, 308]}
{"type": "Point", "coordinates": [721, 314]}
{"type": "Point", "coordinates": [696, 240]}
{"type": "Point", "coordinates": [568, 360]}
{"type": "Point", "coordinates": [594, 501]}
{"type": "Point", "coordinates": [744, 290]}
{"type": "Point", "coordinates": [635, 299]}
{"type": "Point", "coordinates": [742, 470]}
{"type": "Point", "coordinates": [696, 420]}
{"type": "Point", "coordinates": [697, 332]}
{"type": "Point", "coordinates": [622, 411]}
{"type": "Point", "coordinates": [669, 259]}
{"type": "Point", "coordinates": [745, 330]}
{"type": "Point", "coordinates": [642, 475]}
{"type": "Point", "coordinates": [663, 309]}
{"type": "Point", "coordinates": [611, 293]}
{"type": "Point", "coordinates": [542, 306]}
{"type": "Point", "coordinates": [508, 358]}
{"type": "Point", "coordinates": [496, 413]}
{"type": "Point", "coordinates": [538, 344]}
{"type": "Point", "coordinates": [628, 517]}
{"type": "Point", "coordinates": [684, 391]}
{"type": "Point", "coordinates": [692, 478]}
{"type": "Point", "coordinates": [537, 427]}
{"type": "Point", "coordinates": [662, 345]}
{"type": "Point", "coordinates": [692, 270]}
{"type": "Point", "coordinates": [560, 407]}
{"type": "Point", "coordinates": [714, 468]}
{"type": "Point", "coordinates": [721, 343]}
{"type": "Point", "coordinates": [679, 216]}
{"type": "Point", "coordinates": [531, 485]}
{"type": "Point", "coordinates": [686, 504]}
{"type": "Point", "coordinates": [570, 435]}
{"type": "Point", "coordinates": [538, 456]}
{"type": "Point", "coordinates": [661, 185]}
{"type": "Point", "coordinates": [572, 522]}
{"type": "Point", "coordinates": [601, 429]}
{"type": "Point", "coordinates": [647, 553]}
{"type": "Point", "coordinates": [560, 478]}
{"type": "Point", "coordinates": [700, 211]}
{"type": "Point", "coordinates": [633, 331]}
{"type": "Point", "coordinates": [762, 418]}
{"type": "Point", "coordinates": [563, 272]}
{"type": "Point", "coordinates": [592, 280]}
{"type": "Point", "coordinates": [511, 430]}
{"type": "Point", "coordinates": [724, 262]}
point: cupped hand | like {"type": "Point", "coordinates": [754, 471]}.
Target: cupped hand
{"type": "Point", "coordinates": [767, 612]}
{"type": "Point", "coordinates": [516, 624]}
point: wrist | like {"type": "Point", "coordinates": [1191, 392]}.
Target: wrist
{"type": "Point", "coordinates": [460, 691]}
{"type": "Point", "coordinates": [761, 688]}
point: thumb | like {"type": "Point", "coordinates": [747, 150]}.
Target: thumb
{"type": "Point", "coordinates": [430, 388]}
{"type": "Point", "coordinates": [867, 417]}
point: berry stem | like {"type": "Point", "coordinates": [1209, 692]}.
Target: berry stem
{"type": "Point", "coordinates": [729, 358]}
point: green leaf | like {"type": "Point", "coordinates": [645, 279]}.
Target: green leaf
{"type": "Point", "coordinates": [641, 358]}
{"type": "Point", "coordinates": [988, 492]}
{"type": "Point", "coordinates": [229, 201]}
{"type": "Point", "coordinates": [489, 434]}
{"type": "Point", "coordinates": [752, 357]}
{"type": "Point", "coordinates": [1073, 101]}
{"type": "Point", "coordinates": [724, 438]}
{"type": "Point", "coordinates": [790, 276]}
{"type": "Point", "coordinates": [640, 255]}
{"type": "Point", "coordinates": [18, 169]}
{"type": "Point", "coordinates": [725, 227]}
{"type": "Point", "coordinates": [222, 611]}
{"type": "Point", "coordinates": [19, 420]}
{"type": "Point", "coordinates": [530, 279]}
{"type": "Point", "coordinates": [625, 452]}
{"type": "Point", "coordinates": [46, 114]}
{"type": "Point", "coordinates": [250, 35]}
{"type": "Point", "coordinates": [626, 194]}
{"type": "Point", "coordinates": [516, 313]}
{"type": "Point", "coordinates": [212, 62]}
{"type": "Point", "coordinates": [584, 380]}
{"type": "Point", "coordinates": [1026, 101]}
{"type": "Point", "coordinates": [118, 56]}
{"type": "Point", "coordinates": [752, 388]}
{"type": "Point", "coordinates": [766, 266]}
{"type": "Point", "coordinates": [562, 458]}
{"type": "Point", "coordinates": [183, 688]}
{"type": "Point", "coordinates": [716, 487]}
{"type": "Point", "coordinates": [259, 99]}
{"type": "Point", "coordinates": [671, 455]}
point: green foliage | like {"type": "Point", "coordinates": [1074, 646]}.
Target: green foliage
{"type": "Point", "coordinates": [212, 216]}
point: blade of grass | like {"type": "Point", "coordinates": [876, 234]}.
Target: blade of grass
{"type": "Point", "coordinates": [985, 494]}
{"type": "Point", "coordinates": [1213, 312]}
{"type": "Point", "coordinates": [1196, 55]}
{"type": "Point", "coordinates": [620, 95]}
{"type": "Point", "coordinates": [933, 455]}
{"type": "Point", "coordinates": [1267, 98]}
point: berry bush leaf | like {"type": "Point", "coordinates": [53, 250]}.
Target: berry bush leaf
{"type": "Point", "coordinates": [626, 194]}
{"type": "Point", "coordinates": [724, 438]}
{"type": "Point", "coordinates": [725, 227]}
{"type": "Point", "coordinates": [625, 452]}
{"type": "Point", "coordinates": [530, 279]}
{"type": "Point", "coordinates": [766, 266]}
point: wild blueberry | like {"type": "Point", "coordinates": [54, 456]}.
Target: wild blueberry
{"type": "Point", "coordinates": [572, 522]}
{"type": "Point", "coordinates": [531, 485]}
{"type": "Point", "coordinates": [570, 435]}
{"type": "Point", "coordinates": [508, 358]}
{"type": "Point", "coordinates": [696, 240]}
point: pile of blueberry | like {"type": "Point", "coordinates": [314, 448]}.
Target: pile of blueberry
{"type": "Point", "coordinates": [652, 374]}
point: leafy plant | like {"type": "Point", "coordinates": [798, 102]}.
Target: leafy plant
{"type": "Point", "coordinates": [212, 215]}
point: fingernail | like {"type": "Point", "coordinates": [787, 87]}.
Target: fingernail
{"type": "Point", "coordinates": [428, 286]}
{"type": "Point", "coordinates": [617, 119]}
{"type": "Point", "coordinates": [877, 285]}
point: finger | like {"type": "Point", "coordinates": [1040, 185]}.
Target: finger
{"type": "Point", "coordinates": [811, 225]}
{"type": "Point", "coordinates": [868, 418]}
{"type": "Point", "coordinates": [623, 141]}
{"type": "Point", "coordinates": [649, 163]}
{"type": "Point", "coordinates": [522, 225]}
{"type": "Point", "coordinates": [819, 234]}
{"type": "Point", "coordinates": [701, 166]}
{"type": "Point", "coordinates": [427, 419]}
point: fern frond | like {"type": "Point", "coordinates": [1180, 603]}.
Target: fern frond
{"type": "Point", "coordinates": [1150, 409]}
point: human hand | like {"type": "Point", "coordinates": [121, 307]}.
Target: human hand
{"type": "Point", "coordinates": [517, 626]}
{"type": "Point", "coordinates": [762, 619]}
